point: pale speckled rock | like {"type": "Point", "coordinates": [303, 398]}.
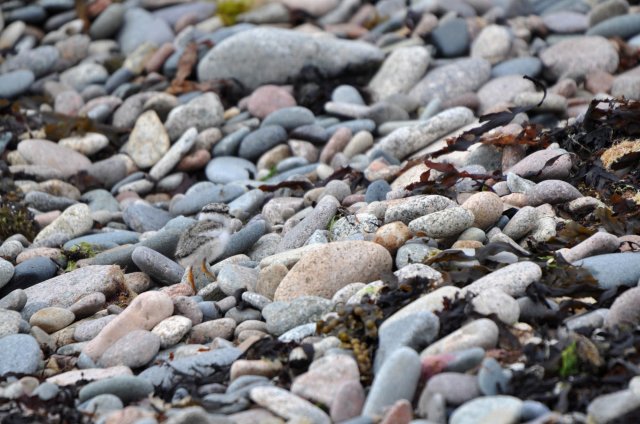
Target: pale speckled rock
{"type": "Point", "coordinates": [288, 405]}
{"type": "Point", "coordinates": [495, 301]}
{"type": "Point", "coordinates": [330, 267]}
{"type": "Point", "coordinates": [148, 141]}
{"type": "Point", "coordinates": [318, 219]}
{"type": "Point", "coordinates": [442, 224]}
{"type": "Point", "coordinates": [406, 210]}
{"type": "Point", "coordinates": [407, 140]}
{"type": "Point", "coordinates": [171, 330]}
{"type": "Point", "coordinates": [205, 111]}
{"type": "Point", "coordinates": [512, 279]}
{"type": "Point", "coordinates": [492, 44]}
{"type": "Point", "coordinates": [521, 223]}
{"type": "Point", "coordinates": [479, 333]}
{"type": "Point", "coordinates": [143, 313]}
{"type": "Point", "coordinates": [268, 49]}
{"type": "Point", "coordinates": [486, 208]}
{"type": "Point", "coordinates": [401, 70]}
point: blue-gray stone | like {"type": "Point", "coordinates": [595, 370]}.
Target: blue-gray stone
{"type": "Point", "coordinates": [464, 360]}
{"type": "Point", "coordinates": [141, 26]}
{"type": "Point", "coordinates": [108, 22]}
{"type": "Point", "coordinates": [193, 202]}
{"type": "Point", "coordinates": [46, 391]}
{"type": "Point", "coordinates": [451, 38]}
{"type": "Point", "coordinates": [531, 66]}
{"type": "Point", "coordinates": [39, 61]}
{"type": "Point", "coordinates": [157, 266]}
{"type": "Point", "coordinates": [261, 140]}
{"type": "Point", "coordinates": [623, 26]}
{"type": "Point", "coordinates": [32, 14]}
{"type": "Point", "coordinates": [313, 133]}
{"type": "Point", "coordinates": [101, 404]}
{"type": "Point", "coordinates": [284, 316]}
{"type": "Point", "coordinates": [532, 409]}
{"type": "Point", "coordinates": [14, 301]}
{"type": "Point", "coordinates": [107, 239]}
{"type": "Point", "coordinates": [302, 170]}
{"type": "Point", "coordinates": [209, 310]}
{"type": "Point", "coordinates": [247, 205]}
{"type": "Point", "coordinates": [20, 354]}
{"type": "Point", "coordinates": [416, 331]}
{"type": "Point", "coordinates": [397, 379]}
{"type": "Point", "coordinates": [45, 202]}
{"type": "Point", "coordinates": [289, 117]}
{"type": "Point", "coordinates": [613, 269]}
{"type": "Point", "coordinates": [492, 379]}
{"type": "Point", "coordinates": [377, 191]}
{"type": "Point", "coordinates": [118, 78]}
{"type": "Point", "coordinates": [318, 219]}
{"type": "Point", "coordinates": [164, 242]}
{"type": "Point", "coordinates": [141, 217]}
{"type": "Point", "coordinates": [228, 146]}
{"type": "Point", "coordinates": [242, 240]}
{"type": "Point", "coordinates": [291, 163]}
{"type": "Point", "coordinates": [15, 83]}
{"type": "Point", "coordinates": [30, 272]}
{"type": "Point", "coordinates": [127, 387]}
{"type": "Point", "coordinates": [227, 169]}
{"type": "Point", "coordinates": [172, 14]}
{"type": "Point", "coordinates": [355, 125]}
{"type": "Point", "coordinates": [347, 94]}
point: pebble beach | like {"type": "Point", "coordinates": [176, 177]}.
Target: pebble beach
{"type": "Point", "coordinates": [320, 211]}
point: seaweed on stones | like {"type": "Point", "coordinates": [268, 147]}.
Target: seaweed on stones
{"type": "Point", "coordinates": [313, 88]}
{"type": "Point", "coordinates": [602, 363]}
{"type": "Point", "coordinates": [32, 410]}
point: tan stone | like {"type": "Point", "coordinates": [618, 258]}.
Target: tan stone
{"type": "Point", "coordinates": [330, 267]}
{"type": "Point", "coordinates": [486, 208]}
{"type": "Point", "coordinates": [144, 312]}
{"type": "Point", "coordinates": [392, 236]}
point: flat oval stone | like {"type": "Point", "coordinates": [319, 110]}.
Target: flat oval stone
{"type": "Point", "coordinates": [127, 387]}
{"type": "Point", "coordinates": [47, 153]}
{"type": "Point", "coordinates": [52, 319]}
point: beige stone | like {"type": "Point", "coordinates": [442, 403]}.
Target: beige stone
{"type": "Point", "coordinates": [332, 266]}
{"type": "Point", "coordinates": [144, 312]}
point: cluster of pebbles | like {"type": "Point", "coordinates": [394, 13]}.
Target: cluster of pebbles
{"type": "Point", "coordinates": [203, 212]}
